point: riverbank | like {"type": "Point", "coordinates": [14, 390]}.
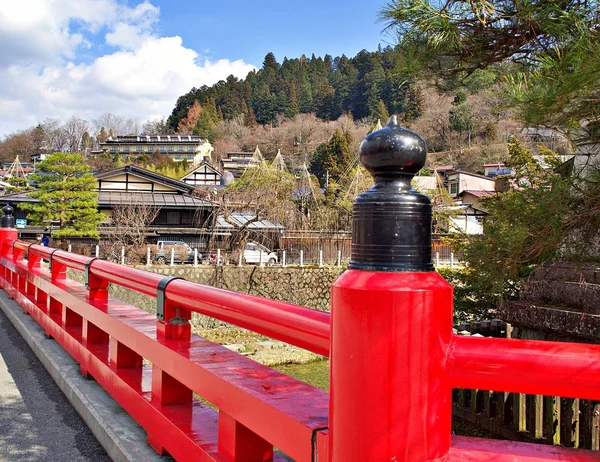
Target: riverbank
{"type": "Point", "coordinates": [257, 347]}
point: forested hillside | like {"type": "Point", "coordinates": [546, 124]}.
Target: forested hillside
{"type": "Point", "coordinates": [369, 85]}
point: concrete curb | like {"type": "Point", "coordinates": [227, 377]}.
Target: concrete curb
{"type": "Point", "coordinates": [122, 438]}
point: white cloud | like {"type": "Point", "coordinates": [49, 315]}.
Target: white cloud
{"type": "Point", "coordinates": [40, 75]}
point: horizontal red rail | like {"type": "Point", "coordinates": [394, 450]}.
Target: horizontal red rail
{"type": "Point", "coordinates": [526, 366]}
{"type": "Point", "coordinates": [135, 279]}
{"type": "Point", "coordinates": [296, 325]}
{"type": "Point", "coordinates": [70, 260]}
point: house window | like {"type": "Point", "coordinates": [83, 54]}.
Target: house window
{"type": "Point", "coordinates": [113, 149]}
{"type": "Point", "coordinates": [180, 148]}
{"type": "Point", "coordinates": [163, 149]}
{"type": "Point", "coordinates": [171, 148]}
{"type": "Point", "coordinates": [190, 148]}
{"type": "Point", "coordinates": [161, 219]}
{"type": "Point", "coordinates": [126, 149]}
{"type": "Point", "coordinates": [453, 189]}
{"type": "Point", "coordinates": [173, 218]}
{"type": "Point", "coordinates": [187, 218]}
{"type": "Point", "coordinates": [139, 148]}
{"type": "Point", "coordinates": [177, 157]}
{"type": "Point", "coordinates": [149, 148]}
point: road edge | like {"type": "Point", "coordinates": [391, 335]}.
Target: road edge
{"type": "Point", "coordinates": [118, 433]}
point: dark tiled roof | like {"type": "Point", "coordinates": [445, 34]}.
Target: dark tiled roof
{"type": "Point", "coordinates": [16, 198]}
{"type": "Point", "coordinates": [237, 220]}
{"type": "Point", "coordinates": [114, 198]}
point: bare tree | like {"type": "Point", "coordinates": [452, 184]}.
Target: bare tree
{"type": "Point", "coordinates": [74, 129]}
{"type": "Point", "coordinates": [157, 127]}
{"type": "Point", "coordinates": [55, 138]}
{"type": "Point", "coordinates": [233, 128]}
{"type": "Point", "coordinates": [302, 132]}
{"type": "Point", "coordinates": [116, 124]}
{"type": "Point", "coordinates": [128, 229]}
{"type": "Point", "coordinates": [20, 143]}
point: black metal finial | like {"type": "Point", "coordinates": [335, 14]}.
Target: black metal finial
{"type": "Point", "coordinates": [7, 220]}
{"type": "Point", "coordinates": [391, 221]}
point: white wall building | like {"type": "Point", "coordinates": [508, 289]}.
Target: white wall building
{"type": "Point", "coordinates": [191, 148]}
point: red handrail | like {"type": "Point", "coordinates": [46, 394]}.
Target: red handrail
{"type": "Point", "coordinates": [139, 280]}
{"type": "Point", "coordinates": [297, 325]}
{"type": "Point", "coordinates": [293, 324]}
{"type": "Point", "coordinates": [526, 366]}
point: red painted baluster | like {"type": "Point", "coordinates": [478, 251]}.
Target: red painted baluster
{"type": "Point", "coordinates": [58, 272]}
{"type": "Point", "coordinates": [33, 263]}
{"type": "Point", "coordinates": [166, 390]}
{"type": "Point", "coordinates": [122, 357]}
{"type": "Point", "coordinates": [240, 444]}
{"type": "Point", "coordinates": [172, 324]}
{"type": "Point", "coordinates": [97, 287]}
{"type": "Point", "coordinates": [18, 281]}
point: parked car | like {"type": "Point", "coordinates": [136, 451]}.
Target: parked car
{"type": "Point", "coordinates": [254, 253]}
{"type": "Point", "coordinates": [183, 253]}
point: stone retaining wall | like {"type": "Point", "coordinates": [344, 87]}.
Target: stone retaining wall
{"type": "Point", "coordinates": [309, 286]}
{"type": "Point", "coordinates": [302, 286]}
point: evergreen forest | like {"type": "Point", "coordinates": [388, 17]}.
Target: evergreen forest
{"type": "Point", "coordinates": [369, 85]}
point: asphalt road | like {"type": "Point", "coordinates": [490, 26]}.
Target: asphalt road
{"type": "Point", "coordinates": [37, 422]}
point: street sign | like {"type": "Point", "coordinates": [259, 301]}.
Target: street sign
{"type": "Point", "coordinates": [21, 223]}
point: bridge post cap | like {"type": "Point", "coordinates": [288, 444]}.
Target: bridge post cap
{"type": "Point", "coordinates": [391, 229]}
{"type": "Point", "coordinates": [393, 151]}
{"type": "Point", "coordinates": [7, 220]}
{"type": "Point", "coordinates": [7, 210]}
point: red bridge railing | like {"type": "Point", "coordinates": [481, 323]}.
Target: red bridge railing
{"type": "Point", "coordinates": [394, 358]}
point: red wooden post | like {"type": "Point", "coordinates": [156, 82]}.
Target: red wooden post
{"type": "Point", "coordinates": [391, 319]}
{"type": "Point", "coordinates": [240, 444]}
{"type": "Point", "coordinates": [33, 262]}
{"type": "Point", "coordinates": [97, 287]}
{"type": "Point", "coordinates": [8, 234]}
{"type": "Point", "coordinates": [58, 271]}
{"type": "Point", "coordinates": [19, 282]}
{"type": "Point", "coordinates": [122, 356]}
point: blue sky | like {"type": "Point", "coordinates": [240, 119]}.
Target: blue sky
{"type": "Point", "coordinates": [248, 30]}
{"type": "Point", "coordinates": [65, 58]}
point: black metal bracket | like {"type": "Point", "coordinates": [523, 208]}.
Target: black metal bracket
{"type": "Point", "coordinates": [50, 259]}
{"type": "Point", "coordinates": [160, 296]}
{"type": "Point", "coordinates": [27, 252]}
{"type": "Point", "coordinates": [87, 271]}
